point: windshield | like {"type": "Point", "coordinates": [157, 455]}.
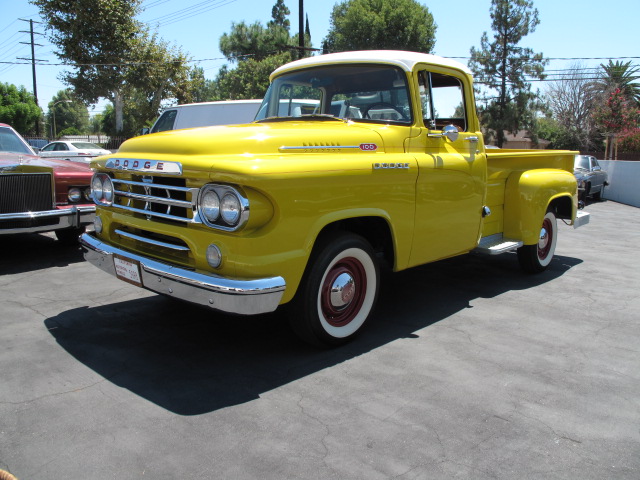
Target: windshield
{"type": "Point", "coordinates": [367, 93]}
{"type": "Point", "coordinates": [581, 161]}
{"type": "Point", "coordinates": [11, 142]}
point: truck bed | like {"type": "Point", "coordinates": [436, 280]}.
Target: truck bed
{"type": "Point", "coordinates": [502, 163]}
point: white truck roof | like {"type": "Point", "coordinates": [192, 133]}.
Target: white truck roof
{"type": "Point", "coordinates": [400, 58]}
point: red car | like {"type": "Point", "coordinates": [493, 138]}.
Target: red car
{"type": "Point", "coordinates": [41, 195]}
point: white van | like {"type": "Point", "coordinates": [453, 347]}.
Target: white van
{"type": "Point", "coordinates": [205, 114]}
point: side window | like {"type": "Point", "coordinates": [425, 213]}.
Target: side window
{"type": "Point", "coordinates": [49, 148]}
{"type": "Point", "coordinates": [165, 122]}
{"type": "Point", "coordinates": [442, 98]}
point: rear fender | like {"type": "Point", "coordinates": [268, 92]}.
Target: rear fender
{"type": "Point", "coordinates": [528, 195]}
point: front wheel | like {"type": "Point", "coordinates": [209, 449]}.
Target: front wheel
{"type": "Point", "coordinates": [536, 258]}
{"type": "Point", "coordinates": [338, 292]}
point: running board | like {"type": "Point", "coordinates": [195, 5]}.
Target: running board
{"type": "Point", "coordinates": [496, 244]}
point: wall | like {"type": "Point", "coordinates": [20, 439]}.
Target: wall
{"type": "Point", "coordinates": [624, 181]}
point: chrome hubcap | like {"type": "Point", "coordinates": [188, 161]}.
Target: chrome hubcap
{"type": "Point", "coordinates": [342, 291]}
{"type": "Point", "coordinates": [544, 238]}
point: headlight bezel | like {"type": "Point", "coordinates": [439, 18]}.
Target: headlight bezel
{"type": "Point", "coordinates": [102, 191]}
{"type": "Point", "coordinates": [224, 222]}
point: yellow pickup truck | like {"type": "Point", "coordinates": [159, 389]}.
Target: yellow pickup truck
{"type": "Point", "coordinates": [355, 160]}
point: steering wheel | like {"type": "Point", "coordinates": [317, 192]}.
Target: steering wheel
{"type": "Point", "coordinates": [365, 113]}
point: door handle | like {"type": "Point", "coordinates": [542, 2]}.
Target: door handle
{"type": "Point", "coordinates": [471, 139]}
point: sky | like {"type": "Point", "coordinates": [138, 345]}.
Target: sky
{"type": "Point", "coordinates": [570, 31]}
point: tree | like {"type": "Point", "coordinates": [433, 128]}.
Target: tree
{"type": "Point", "coordinates": [572, 102]}
{"type": "Point", "coordinates": [98, 37]}
{"type": "Point", "coordinates": [502, 68]}
{"type": "Point", "coordinates": [70, 113]}
{"type": "Point", "coordinates": [161, 72]}
{"type": "Point", "coordinates": [254, 41]}
{"type": "Point", "coordinates": [112, 55]}
{"type": "Point", "coordinates": [380, 24]}
{"type": "Point", "coordinates": [279, 14]}
{"type": "Point", "coordinates": [257, 51]}
{"type": "Point", "coordinates": [618, 116]}
{"type": "Point", "coordinates": [202, 89]}
{"type": "Point", "coordinates": [618, 75]}
{"type": "Point", "coordinates": [18, 108]}
{"type": "Point", "coordinates": [250, 79]}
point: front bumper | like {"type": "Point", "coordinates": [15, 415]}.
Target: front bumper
{"type": "Point", "coordinates": [47, 221]}
{"type": "Point", "coordinates": [245, 297]}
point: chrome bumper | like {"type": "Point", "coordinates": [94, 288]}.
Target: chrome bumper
{"type": "Point", "coordinates": [245, 297]}
{"type": "Point", "coordinates": [71, 217]}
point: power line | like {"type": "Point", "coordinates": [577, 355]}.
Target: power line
{"type": "Point", "coordinates": [189, 12]}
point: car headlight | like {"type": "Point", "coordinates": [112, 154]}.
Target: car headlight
{"type": "Point", "coordinates": [210, 204]}
{"type": "Point", "coordinates": [230, 209]}
{"type": "Point", "coordinates": [102, 189]}
{"type": "Point", "coordinates": [222, 207]}
{"type": "Point", "coordinates": [74, 194]}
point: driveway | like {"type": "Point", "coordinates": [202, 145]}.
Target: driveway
{"type": "Point", "coordinates": [469, 369]}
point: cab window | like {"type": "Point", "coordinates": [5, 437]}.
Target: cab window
{"type": "Point", "coordinates": [442, 99]}
{"type": "Point", "coordinates": [165, 122]}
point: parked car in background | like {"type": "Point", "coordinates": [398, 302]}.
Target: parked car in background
{"type": "Point", "coordinates": [205, 114]}
{"type": "Point", "coordinates": [74, 151]}
{"type": "Point", "coordinates": [40, 194]}
{"type": "Point", "coordinates": [590, 176]}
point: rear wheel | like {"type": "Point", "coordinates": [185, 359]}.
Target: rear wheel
{"type": "Point", "coordinates": [536, 258]}
{"type": "Point", "coordinates": [338, 292]}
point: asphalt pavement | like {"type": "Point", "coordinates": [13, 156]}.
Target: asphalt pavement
{"type": "Point", "coordinates": [469, 369]}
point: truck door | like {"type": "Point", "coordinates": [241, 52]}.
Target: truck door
{"type": "Point", "coordinates": [451, 185]}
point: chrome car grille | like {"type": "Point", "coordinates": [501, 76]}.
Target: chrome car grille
{"type": "Point", "coordinates": [25, 192]}
{"type": "Point", "coordinates": [165, 198]}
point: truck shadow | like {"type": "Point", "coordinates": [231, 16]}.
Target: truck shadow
{"type": "Point", "coordinates": [190, 361]}
{"type": "Point", "coordinates": [31, 251]}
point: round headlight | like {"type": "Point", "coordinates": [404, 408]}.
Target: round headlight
{"type": "Point", "coordinates": [210, 205]}
{"type": "Point", "coordinates": [74, 194]}
{"type": "Point", "coordinates": [230, 209]}
{"type": "Point", "coordinates": [102, 189]}
{"type": "Point", "coordinates": [107, 189]}
{"type": "Point", "coordinates": [96, 188]}
{"type": "Point", "coordinates": [87, 193]}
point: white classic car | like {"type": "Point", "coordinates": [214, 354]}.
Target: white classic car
{"type": "Point", "coordinates": [74, 151]}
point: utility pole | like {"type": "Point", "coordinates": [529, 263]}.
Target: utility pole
{"type": "Point", "coordinates": [33, 62]}
{"type": "Point", "coordinates": [301, 28]}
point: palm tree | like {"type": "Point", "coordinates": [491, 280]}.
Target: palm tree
{"type": "Point", "coordinates": [620, 75]}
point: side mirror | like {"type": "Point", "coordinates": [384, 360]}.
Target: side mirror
{"type": "Point", "coordinates": [449, 131]}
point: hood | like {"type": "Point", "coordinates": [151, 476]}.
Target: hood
{"type": "Point", "coordinates": [259, 138]}
{"type": "Point", "coordinates": [16, 162]}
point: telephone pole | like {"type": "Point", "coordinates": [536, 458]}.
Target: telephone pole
{"type": "Point", "coordinates": [301, 28]}
{"type": "Point", "coordinates": [33, 62]}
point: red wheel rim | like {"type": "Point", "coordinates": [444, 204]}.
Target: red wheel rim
{"type": "Point", "coordinates": [546, 239]}
{"type": "Point", "coordinates": [341, 305]}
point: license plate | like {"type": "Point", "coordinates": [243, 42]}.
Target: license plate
{"type": "Point", "coordinates": [128, 270]}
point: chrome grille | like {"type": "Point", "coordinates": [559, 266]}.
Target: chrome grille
{"type": "Point", "coordinates": [165, 198]}
{"type": "Point", "coordinates": [25, 192]}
